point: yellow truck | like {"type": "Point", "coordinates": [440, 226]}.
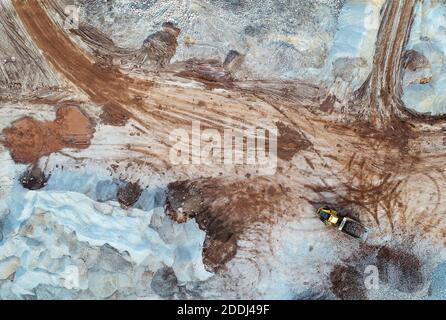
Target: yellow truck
{"type": "Point", "coordinates": [345, 224]}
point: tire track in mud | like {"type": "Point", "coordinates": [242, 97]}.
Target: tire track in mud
{"type": "Point", "coordinates": [365, 172]}
{"type": "Point", "coordinates": [26, 69]}
{"type": "Point", "coordinates": [383, 88]}
{"type": "Point", "coordinates": [115, 91]}
{"type": "Point", "coordinates": [424, 206]}
{"type": "Point", "coordinates": [375, 177]}
{"type": "Point", "coordinates": [109, 88]}
{"type": "Point", "coordinates": [225, 209]}
{"type": "Point", "coordinates": [398, 198]}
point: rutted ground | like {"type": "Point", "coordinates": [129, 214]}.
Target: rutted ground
{"type": "Point", "coordinates": [385, 168]}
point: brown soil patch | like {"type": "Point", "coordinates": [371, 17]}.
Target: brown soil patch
{"type": "Point", "coordinates": [328, 104]}
{"type": "Point", "coordinates": [183, 201]}
{"type": "Point", "coordinates": [347, 283]}
{"type": "Point", "coordinates": [384, 86]}
{"type": "Point", "coordinates": [223, 209]}
{"type": "Point", "coordinates": [114, 115]}
{"type": "Point", "coordinates": [29, 139]}
{"type": "Point", "coordinates": [290, 141]}
{"type": "Point", "coordinates": [129, 194]}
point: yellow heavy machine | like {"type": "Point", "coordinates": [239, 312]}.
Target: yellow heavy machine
{"type": "Point", "coordinates": [331, 217]}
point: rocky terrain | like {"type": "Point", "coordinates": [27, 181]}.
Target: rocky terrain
{"type": "Point", "coordinates": [96, 95]}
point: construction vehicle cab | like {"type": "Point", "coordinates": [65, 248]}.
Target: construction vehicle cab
{"type": "Point", "coordinates": [331, 217]}
{"type": "Point", "coordinates": [328, 216]}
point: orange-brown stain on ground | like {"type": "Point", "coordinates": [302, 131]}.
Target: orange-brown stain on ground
{"type": "Point", "coordinates": [29, 139]}
{"type": "Point", "coordinates": [290, 142]}
{"type": "Point", "coordinates": [224, 209]}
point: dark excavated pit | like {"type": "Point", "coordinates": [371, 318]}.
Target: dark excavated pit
{"type": "Point", "coordinates": [129, 193]}
{"type": "Point", "coordinates": [397, 268]}
{"type": "Point", "coordinates": [34, 179]}
{"type": "Point", "coordinates": [347, 283]}
{"type": "Point", "coordinates": [218, 250]}
{"type": "Point", "coordinates": [185, 201]}
{"type": "Point", "coordinates": [401, 270]}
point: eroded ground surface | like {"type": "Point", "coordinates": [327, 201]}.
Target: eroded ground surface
{"type": "Point", "coordinates": [92, 204]}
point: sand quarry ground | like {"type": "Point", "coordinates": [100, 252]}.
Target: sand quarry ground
{"type": "Point", "coordinates": [367, 156]}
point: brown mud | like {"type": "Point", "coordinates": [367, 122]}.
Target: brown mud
{"type": "Point", "coordinates": [129, 194]}
{"type": "Point", "coordinates": [114, 115]}
{"type": "Point", "coordinates": [29, 139]}
{"type": "Point", "coordinates": [211, 73]}
{"type": "Point", "coordinates": [384, 86]}
{"type": "Point", "coordinates": [397, 268]}
{"type": "Point", "coordinates": [34, 178]}
{"type": "Point", "coordinates": [290, 141]}
{"type": "Point", "coordinates": [224, 210]}
{"type": "Point", "coordinates": [347, 283]}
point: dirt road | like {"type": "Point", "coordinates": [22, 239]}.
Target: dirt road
{"type": "Point", "coordinates": [109, 88]}
{"type": "Point", "coordinates": [383, 88]}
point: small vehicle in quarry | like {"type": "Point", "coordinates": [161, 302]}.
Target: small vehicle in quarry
{"type": "Point", "coordinates": [345, 224]}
